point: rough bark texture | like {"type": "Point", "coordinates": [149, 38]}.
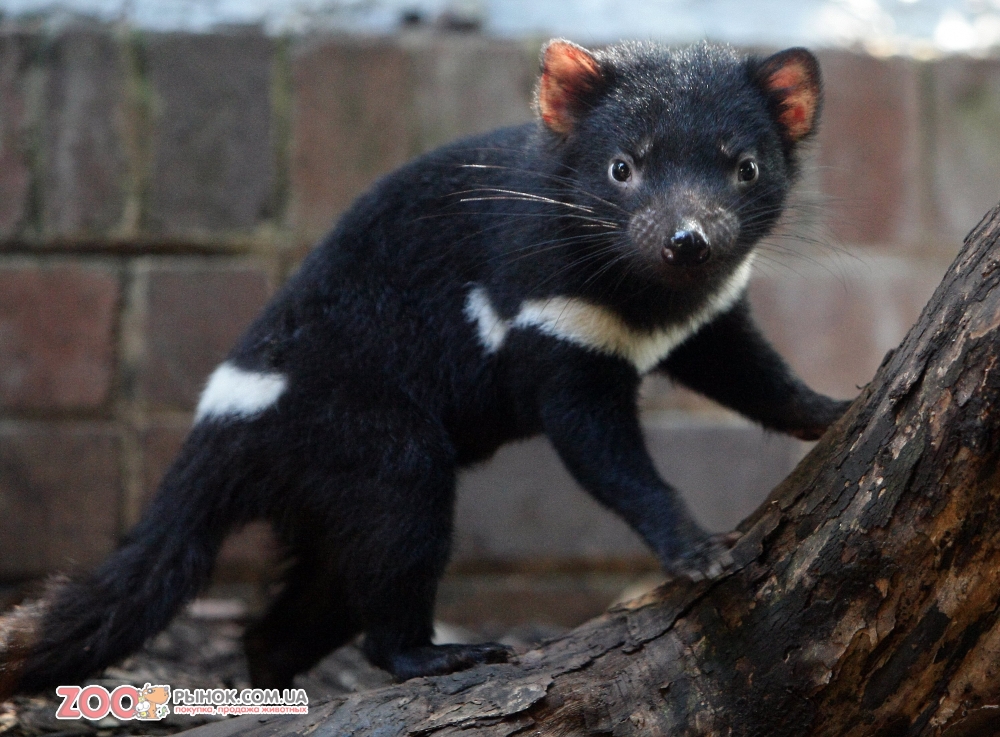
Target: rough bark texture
{"type": "Point", "coordinates": [864, 600]}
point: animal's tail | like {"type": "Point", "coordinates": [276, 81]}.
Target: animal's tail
{"type": "Point", "coordinates": [79, 627]}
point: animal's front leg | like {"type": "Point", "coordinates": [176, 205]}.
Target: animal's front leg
{"type": "Point", "coordinates": [731, 362]}
{"type": "Point", "coordinates": [590, 416]}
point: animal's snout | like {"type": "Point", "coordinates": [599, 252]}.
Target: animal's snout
{"type": "Point", "coordinates": [687, 247]}
{"type": "Point", "coordinates": [684, 231]}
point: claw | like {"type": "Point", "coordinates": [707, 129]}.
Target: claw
{"type": "Point", "coordinates": [706, 560]}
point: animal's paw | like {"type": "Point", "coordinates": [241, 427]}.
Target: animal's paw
{"type": "Point", "coordinates": [706, 559]}
{"type": "Point", "coordinates": [819, 420]}
{"type": "Point", "coordinates": [809, 433]}
{"type": "Point", "coordinates": [436, 660]}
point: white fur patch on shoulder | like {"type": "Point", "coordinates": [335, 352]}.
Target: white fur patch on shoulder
{"type": "Point", "coordinates": [598, 328]}
{"type": "Point", "coordinates": [492, 329]}
{"type": "Point", "coordinates": [233, 392]}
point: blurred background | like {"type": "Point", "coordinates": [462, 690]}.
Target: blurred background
{"type": "Point", "coordinates": [165, 164]}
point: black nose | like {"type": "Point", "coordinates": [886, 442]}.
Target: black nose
{"type": "Point", "coordinates": [687, 248]}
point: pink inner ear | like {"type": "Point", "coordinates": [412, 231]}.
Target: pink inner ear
{"type": "Point", "coordinates": [568, 72]}
{"type": "Point", "coordinates": [793, 84]}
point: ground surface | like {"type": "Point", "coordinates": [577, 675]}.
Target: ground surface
{"type": "Point", "coordinates": [202, 649]}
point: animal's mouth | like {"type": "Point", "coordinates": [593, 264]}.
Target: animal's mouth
{"type": "Point", "coordinates": [701, 272]}
{"type": "Point", "coordinates": [686, 277]}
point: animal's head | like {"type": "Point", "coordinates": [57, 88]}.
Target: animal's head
{"type": "Point", "coordinates": [692, 151]}
{"type": "Point", "coordinates": [155, 694]}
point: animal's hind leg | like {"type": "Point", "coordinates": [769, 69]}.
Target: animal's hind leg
{"type": "Point", "coordinates": [307, 620]}
{"type": "Point", "coordinates": [405, 553]}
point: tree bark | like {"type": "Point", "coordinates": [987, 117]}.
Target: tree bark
{"type": "Point", "coordinates": [863, 601]}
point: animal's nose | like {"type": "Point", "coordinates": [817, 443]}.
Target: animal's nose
{"type": "Point", "coordinates": [687, 248]}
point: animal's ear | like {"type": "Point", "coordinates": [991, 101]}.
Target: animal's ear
{"type": "Point", "coordinates": [570, 78]}
{"type": "Point", "coordinates": [791, 81]}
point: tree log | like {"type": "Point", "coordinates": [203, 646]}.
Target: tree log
{"type": "Point", "coordinates": [863, 600]}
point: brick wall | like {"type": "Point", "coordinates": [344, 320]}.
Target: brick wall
{"type": "Point", "coordinates": [155, 189]}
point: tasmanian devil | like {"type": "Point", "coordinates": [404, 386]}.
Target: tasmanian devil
{"type": "Point", "coordinates": [515, 283]}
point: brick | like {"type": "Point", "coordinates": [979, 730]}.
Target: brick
{"type": "Point", "coordinates": [214, 162]}
{"type": "Point", "coordinates": [246, 553]}
{"type": "Point", "coordinates": [835, 317]}
{"type": "Point", "coordinates": [523, 504]}
{"type": "Point", "coordinates": [350, 124]}
{"type": "Point", "coordinates": [363, 107]}
{"type": "Point", "coordinates": [57, 331]}
{"type": "Point", "coordinates": [965, 151]}
{"type": "Point", "coordinates": [15, 172]}
{"type": "Point", "coordinates": [869, 148]}
{"type": "Point", "coordinates": [469, 84]}
{"type": "Point", "coordinates": [194, 313]}
{"type": "Point", "coordinates": [57, 509]}
{"type": "Point", "coordinates": [85, 166]}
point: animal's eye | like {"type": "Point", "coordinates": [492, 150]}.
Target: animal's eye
{"type": "Point", "coordinates": [620, 171]}
{"type": "Point", "coordinates": [747, 171]}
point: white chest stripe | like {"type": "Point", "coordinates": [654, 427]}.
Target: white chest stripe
{"type": "Point", "coordinates": [233, 392]}
{"type": "Point", "coordinates": [598, 328]}
{"type": "Point", "coordinates": [491, 327]}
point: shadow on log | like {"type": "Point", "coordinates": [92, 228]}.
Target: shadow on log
{"type": "Point", "coordinates": [863, 602]}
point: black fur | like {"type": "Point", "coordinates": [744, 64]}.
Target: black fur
{"type": "Point", "coordinates": [390, 389]}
